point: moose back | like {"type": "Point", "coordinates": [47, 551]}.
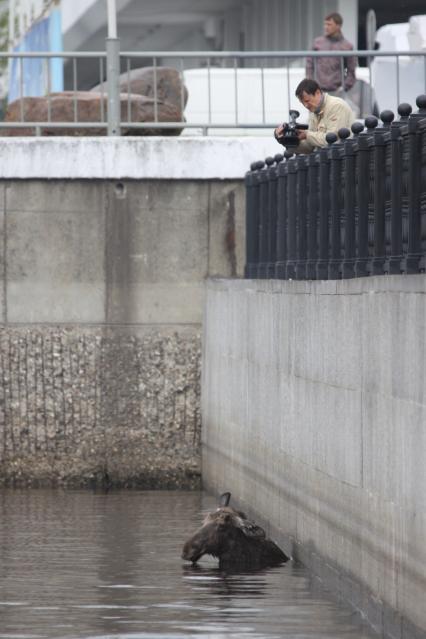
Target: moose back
{"type": "Point", "coordinates": [237, 542]}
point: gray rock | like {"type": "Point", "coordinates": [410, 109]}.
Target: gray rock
{"type": "Point", "coordinates": [170, 87]}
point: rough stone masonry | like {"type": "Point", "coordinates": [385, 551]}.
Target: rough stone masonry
{"type": "Point", "coordinates": [89, 407]}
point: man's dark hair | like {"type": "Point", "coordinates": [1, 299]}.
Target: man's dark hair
{"type": "Point", "coordinates": [307, 86]}
{"type": "Point", "coordinates": [336, 17]}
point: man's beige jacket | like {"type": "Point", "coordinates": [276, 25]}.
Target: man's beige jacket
{"type": "Point", "coordinates": [334, 115]}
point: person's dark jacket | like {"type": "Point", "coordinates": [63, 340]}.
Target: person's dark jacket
{"type": "Point", "coordinates": [330, 73]}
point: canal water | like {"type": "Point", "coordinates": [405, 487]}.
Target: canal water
{"type": "Point", "coordinates": [81, 564]}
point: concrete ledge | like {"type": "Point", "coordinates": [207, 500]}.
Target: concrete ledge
{"type": "Point", "coordinates": [357, 286]}
{"type": "Point", "coordinates": [132, 157]}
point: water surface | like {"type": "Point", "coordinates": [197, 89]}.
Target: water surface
{"type": "Point", "coordinates": [77, 565]}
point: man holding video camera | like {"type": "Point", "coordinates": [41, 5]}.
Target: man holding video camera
{"type": "Point", "coordinates": [327, 114]}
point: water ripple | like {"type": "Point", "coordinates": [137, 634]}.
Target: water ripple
{"type": "Point", "coordinates": [80, 565]}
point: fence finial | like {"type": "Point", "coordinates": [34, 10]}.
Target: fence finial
{"type": "Point", "coordinates": [421, 103]}
{"type": "Point", "coordinates": [343, 133]}
{"type": "Point", "coordinates": [331, 138]}
{"type": "Point", "coordinates": [387, 117]}
{"type": "Point", "coordinates": [357, 128]}
{"type": "Point", "coordinates": [404, 110]}
{"type": "Point", "coordinates": [371, 122]}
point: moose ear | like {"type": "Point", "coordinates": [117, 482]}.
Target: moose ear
{"type": "Point", "coordinates": [224, 499]}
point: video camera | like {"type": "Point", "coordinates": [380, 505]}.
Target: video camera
{"type": "Point", "coordinates": [290, 137]}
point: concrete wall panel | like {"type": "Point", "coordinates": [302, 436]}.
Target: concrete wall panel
{"type": "Point", "coordinates": [2, 254]}
{"type": "Point", "coordinates": [160, 303]}
{"type": "Point", "coordinates": [55, 266]}
{"type": "Point", "coordinates": [314, 418]}
{"type": "Point", "coordinates": [53, 196]}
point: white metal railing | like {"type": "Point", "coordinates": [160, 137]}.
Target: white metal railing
{"type": "Point", "coordinates": [236, 90]}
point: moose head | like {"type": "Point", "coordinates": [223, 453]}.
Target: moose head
{"type": "Point", "coordinates": [236, 541]}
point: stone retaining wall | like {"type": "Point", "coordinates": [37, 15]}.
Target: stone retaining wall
{"type": "Point", "coordinates": [101, 294]}
{"type": "Point", "coordinates": [91, 406]}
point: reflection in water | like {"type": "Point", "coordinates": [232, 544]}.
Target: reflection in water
{"type": "Point", "coordinates": [79, 564]}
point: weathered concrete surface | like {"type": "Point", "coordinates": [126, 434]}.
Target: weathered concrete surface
{"type": "Point", "coordinates": [185, 158]}
{"type": "Point", "coordinates": [101, 293]}
{"type": "Point", "coordinates": [314, 415]}
{"type": "Point", "coordinates": [127, 253]}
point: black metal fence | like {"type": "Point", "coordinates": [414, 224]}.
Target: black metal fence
{"type": "Point", "coordinates": [355, 208]}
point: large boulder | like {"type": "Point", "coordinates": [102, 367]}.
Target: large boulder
{"type": "Point", "coordinates": [170, 87]}
{"type": "Point", "coordinates": [89, 106]}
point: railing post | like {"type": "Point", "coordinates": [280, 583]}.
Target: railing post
{"type": "Point", "coordinates": [335, 155]}
{"type": "Point", "coordinates": [263, 220]}
{"type": "Point", "coordinates": [404, 111]}
{"type": "Point", "coordinates": [248, 182]}
{"type": "Point", "coordinates": [302, 198]}
{"type": "Point", "coordinates": [324, 182]}
{"type": "Point", "coordinates": [395, 264]}
{"type": "Point", "coordinates": [395, 177]}
{"type": "Point", "coordinates": [387, 118]}
{"type": "Point", "coordinates": [313, 214]}
{"type": "Point", "coordinates": [395, 258]}
{"type": "Point", "coordinates": [291, 220]}
{"type": "Point", "coordinates": [379, 197]}
{"type": "Point", "coordinates": [252, 220]}
{"type": "Point", "coordinates": [282, 209]}
{"type": "Point", "coordinates": [350, 152]}
{"type": "Point", "coordinates": [414, 254]}
{"type": "Point", "coordinates": [272, 214]}
{"type": "Point", "coordinates": [363, 196]}
{"type": "Point", "coordinates": [113, 73]}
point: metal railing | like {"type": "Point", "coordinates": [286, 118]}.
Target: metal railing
{"type": "Point", "coordinates": [355, 208]}
{"type": "Point", "coordinates": [246, 77]}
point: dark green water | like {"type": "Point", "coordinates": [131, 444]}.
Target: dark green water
{"type": "Point", "coordinates": [79, 564]}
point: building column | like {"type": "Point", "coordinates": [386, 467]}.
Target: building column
{"type": "Point", "coordinates": [349, 12]}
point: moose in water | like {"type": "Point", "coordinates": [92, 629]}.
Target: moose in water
{"type": "Point", "coordinates": [235, 540]}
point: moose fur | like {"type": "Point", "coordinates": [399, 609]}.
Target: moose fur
{"type": "Point", "coordinates": [236, 541]}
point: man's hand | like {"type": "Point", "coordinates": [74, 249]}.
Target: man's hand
{"type": "Point", "coordinates": [301, 134]}
{"type": "Point", "coordinates": [279, 131]}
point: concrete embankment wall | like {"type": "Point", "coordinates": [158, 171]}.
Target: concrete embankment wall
{"type": "Point", "coordinates": [314, 417]}
{"type": "Point", "coordinates": [105, 247]}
